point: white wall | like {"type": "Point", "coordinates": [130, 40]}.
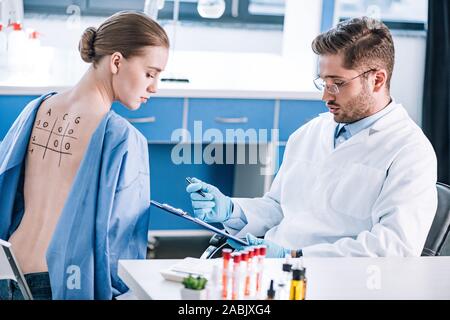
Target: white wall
{"type": "Point", "coordinates": [301, 25]}
{"type": "Point", "coordinates": [191, 37]}
{"type": "Point", "coordinates": [409, 71]}
{"type": "Point", "coordinates": [61, 32]}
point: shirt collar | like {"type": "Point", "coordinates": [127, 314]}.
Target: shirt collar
{"type": "Point", "coordinates": [358, 126]}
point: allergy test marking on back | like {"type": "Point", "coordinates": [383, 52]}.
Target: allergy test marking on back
{"type": "Point", "coordinates": [58, 139]}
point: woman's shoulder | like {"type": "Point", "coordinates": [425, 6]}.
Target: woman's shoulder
{"type": "Point", "coordinates": [121, 129]}
{"type": "Point", "coordinates": [124, 139]}
{"type": "Point", "coordinates": [37, 102]}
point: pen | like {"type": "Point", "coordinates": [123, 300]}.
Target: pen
{"type": "Point", "coordinates": [199, 191]}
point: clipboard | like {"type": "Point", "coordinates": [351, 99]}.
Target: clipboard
{"type": "Point", "coordinates": [185, 215]}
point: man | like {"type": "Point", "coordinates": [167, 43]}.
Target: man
{"type": "Point", "coordinates": [358, 181]}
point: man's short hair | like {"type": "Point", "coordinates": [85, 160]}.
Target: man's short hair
{"type": "Point", "coordinates": [364, 43]}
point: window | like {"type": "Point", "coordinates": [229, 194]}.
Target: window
{"type": "Point", "coordinates": [266, 7]}
{"type": "Point", "coordinates": [87, 7]}
{"type": "Point", "coordinates": [250, 12]}
{"type": "Point", "coordinates": [237, 12]}
{"type": "Point", "coordinates": [396, 14]}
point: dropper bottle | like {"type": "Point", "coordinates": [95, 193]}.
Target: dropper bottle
{"type": "Point", "coordinates": [271, 291]}
{"type": "Point", "coordinates": [283, 285]}
{"type": "Point", "coordinates": [214, 286]}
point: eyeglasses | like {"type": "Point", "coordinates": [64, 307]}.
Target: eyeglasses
{"type": "Point", "coordinates": [334, 88]}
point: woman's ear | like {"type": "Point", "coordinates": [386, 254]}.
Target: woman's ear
{"type": "Point", "coordinates": [115, 62]}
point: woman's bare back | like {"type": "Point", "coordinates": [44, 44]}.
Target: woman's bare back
{"type": "Point", "coordinates": [61, 133]}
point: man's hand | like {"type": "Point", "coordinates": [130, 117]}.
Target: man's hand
{"type": "Point", "coordinates": [273, 249]}
{"type": "Point", "coordinates": [213, 207]}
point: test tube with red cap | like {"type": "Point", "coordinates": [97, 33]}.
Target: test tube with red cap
{"type": "Point", "coordinates": [226, 256]}
{"type": "Point", "coordinates": [256, 267]}
{"type": "Point", "coordinates": [244, 271]}
{"type": "Point", "coordinates": [250, 272]}
{"type": "Point", "coordinates": [261, 255]}
{"type": "Point", "coordinates": [236, 256]}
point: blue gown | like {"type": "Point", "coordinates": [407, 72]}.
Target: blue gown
{"type": "Point", "coordinates": [105, 217]}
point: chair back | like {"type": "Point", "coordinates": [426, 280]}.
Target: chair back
{"type": "Point", "coordinates": [438, 240]}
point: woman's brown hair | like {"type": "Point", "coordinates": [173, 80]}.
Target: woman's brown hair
{"type": "Point", "coordinates": [125, 32]}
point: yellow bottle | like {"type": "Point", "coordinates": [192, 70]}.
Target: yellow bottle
{"type": "Point", "coordinates": [298, 285]}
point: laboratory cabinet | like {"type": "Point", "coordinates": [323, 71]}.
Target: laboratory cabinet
{"type": "Point", "coordinates": [244, 120]}
{"type": "Point", "coordinates": [157, 119]}
{"type": "Point", "coordinates": [295, 113]}
{"type": "Point", "coordinates": [10, 108]}
{"type": "Point", "coordinates": [161, 117]}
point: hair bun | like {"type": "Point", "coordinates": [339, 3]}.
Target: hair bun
{"type": "Point", "coordinates": [86, 45]}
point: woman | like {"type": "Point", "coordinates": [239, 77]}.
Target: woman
{"type": "Point", "coordinates": [74, 175]}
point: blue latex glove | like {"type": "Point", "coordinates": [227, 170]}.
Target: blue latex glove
{"type": "Point", "coordinates": [273, 249]}
{"type": "Point", "coordinates": [214, 207]}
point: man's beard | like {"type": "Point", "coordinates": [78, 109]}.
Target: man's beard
{"type": "Point", "coordinates": [357, 108]}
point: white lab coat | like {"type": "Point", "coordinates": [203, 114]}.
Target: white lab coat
{"type": "Point", "coordinates": [374, 195]}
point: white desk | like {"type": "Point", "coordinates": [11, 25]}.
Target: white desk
{"type": "Point", "coordinates": [328, 278]}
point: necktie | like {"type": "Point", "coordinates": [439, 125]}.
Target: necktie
{"type": "Point", "coordinates": [341, 136]}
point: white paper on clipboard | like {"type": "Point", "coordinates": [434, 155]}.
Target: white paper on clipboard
{"type": "Point", "coordinates": [185, 215]}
